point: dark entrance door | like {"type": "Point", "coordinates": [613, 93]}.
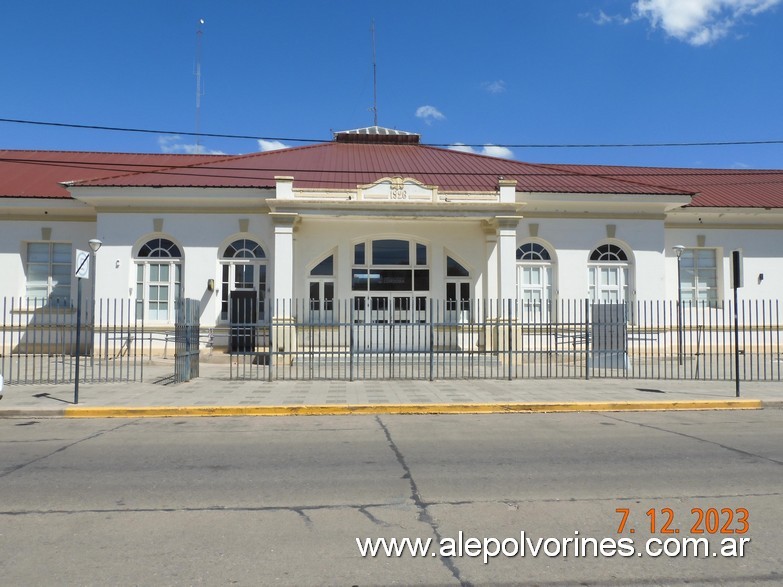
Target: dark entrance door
{"type": "Point", "coordinates": [243, 317]}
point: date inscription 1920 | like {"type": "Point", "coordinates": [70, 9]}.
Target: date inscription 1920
{"type": "Point", "coordinates": [398, 193]}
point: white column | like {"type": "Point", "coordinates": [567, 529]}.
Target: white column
{"type": "Point", "coordinates": [507, 257]}
{"type": "Point", "coordinates": [505, 268]}
{"type": "Point", "coordinates": [283, 331]}
{"type": "Point", "coordinates": [491, 278]}
{"type": "Point", "coordinates": [283, 280]}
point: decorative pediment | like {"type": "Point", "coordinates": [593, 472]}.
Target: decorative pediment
{"type": "Point", "coordinates": [398, 188]}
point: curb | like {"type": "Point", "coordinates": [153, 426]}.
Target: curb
{"type": "Point", "coordinates": [371, 409]}
{"type": "Point", "coordinates": [411, 409]}
{"type": "Point", "coordinates": [32, 413]}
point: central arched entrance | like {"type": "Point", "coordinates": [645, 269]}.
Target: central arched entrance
{"type": "Point", "coordinates": [390, 287]}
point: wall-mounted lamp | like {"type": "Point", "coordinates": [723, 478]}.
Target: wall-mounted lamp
{"type": "Point", "coordinates": [117, 264]}
{"type": "Point", "coordinates": [761, 278]}
{"type": "Point", "coordinates": [210, 285]}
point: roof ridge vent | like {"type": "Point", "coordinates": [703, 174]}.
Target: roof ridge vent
{"type": "Point", "coordinates": [377, 134]}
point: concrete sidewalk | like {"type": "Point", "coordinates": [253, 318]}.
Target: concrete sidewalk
{"type": "Point", "coordinates": [210, 395]}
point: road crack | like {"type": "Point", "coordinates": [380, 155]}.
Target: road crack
{"type": "Point", "coordinates": [698, 438]}
{"type": "Point", "coordinates": [63, 448]}
{"type": "Point", "coordinates": [421, 505]}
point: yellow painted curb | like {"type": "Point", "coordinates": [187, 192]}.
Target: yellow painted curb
{"type": "Point", "coordinates": [467, 408]}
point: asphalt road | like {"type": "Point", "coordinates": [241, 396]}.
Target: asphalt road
{"type": "Point", "coordinates": [265, 501]}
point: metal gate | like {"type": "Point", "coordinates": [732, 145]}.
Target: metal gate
{"type": "Point", "coordinates": [186, 337]}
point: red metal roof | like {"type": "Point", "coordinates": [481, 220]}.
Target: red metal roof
{"type": "Point", "coordinates": [37, 174]}
{"type": "Point", "coordinates": [346, 164]}
{"type": "Point", "coordinates": [718, 188]}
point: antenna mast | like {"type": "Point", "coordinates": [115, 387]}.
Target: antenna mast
{"type": "Point", "coordinates": [374, 78]}
{"type": "Point", "coordinates": [199, 87]}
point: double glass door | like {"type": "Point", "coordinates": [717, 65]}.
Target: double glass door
{"type": "Point", "coordinates": [390, 308]}
{"type": "Point", "coordinates": [390, 322]}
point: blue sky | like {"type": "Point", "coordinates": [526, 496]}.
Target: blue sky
{"type": "Point", "coordinates": [497, 72]}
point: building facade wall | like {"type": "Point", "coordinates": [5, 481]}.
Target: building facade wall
{"type": "Point", "coordinates": [16, 234]}
{"type": "Point", "coordinates": [572, 240]}
{"type": "Point", "coordinates": [202, 238]}
{"type": "Point", "coordinates": [762, 249]}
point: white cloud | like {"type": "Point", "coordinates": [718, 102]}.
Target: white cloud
{"type": "Point", "coordinates": [495, 151]}
{"type": "Point", "coordinates": [271, 145]}
{"type": "Point", "coordinates": [699, 22]}
{"type": "Point", "coordinates": [429, 113]}
{"type": "Point", "coordinates": [496, 87]}
{"type": "Point", "coordinates": [488, 150]}
{"type": "Point", "coordinates": [602, 18]}
{"type": "Point", "coordinates": [172, 144]}
{"type": "Point", "coordinates": [462, 148]}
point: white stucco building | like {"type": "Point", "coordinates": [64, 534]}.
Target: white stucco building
{"type": "Point", "coordinates": [378, 218]}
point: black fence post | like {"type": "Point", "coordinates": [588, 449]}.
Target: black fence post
{"type": "Point", "coordinates": [432, 339]}
{"type": "Point", "coordinates": [736, 347]}
{"type": "Point", "coordinates": [587, 338]}
{"type": "Point", "coordinates": [510, 339]}
{"type": "Point", "coordinates": [78, 336]}
{"type": "Point", "coordinates": [351, 339]}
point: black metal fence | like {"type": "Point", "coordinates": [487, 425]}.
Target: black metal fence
{"type": "Point", "coordinates": [399, 337]}
{"type": "Point", "coordinates": [186, 340]}
{"type": "Point", "coordinates": [415, 338]}
{"type": "Point", "coordinates": [38, 342]}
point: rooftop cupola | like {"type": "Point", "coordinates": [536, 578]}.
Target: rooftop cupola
{"type": "Point", "coordinates": [377, 134]}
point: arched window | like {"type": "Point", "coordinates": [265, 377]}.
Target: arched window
{"type": "Point", "coordinates": [158, 280]}
{"type": "Point", "coordinates": [533, 252]}
{"type": "Point", "coordinates": [609, 252]}
{"type": "Point", "coordinates": [391, 279]}
{"type": "Point", "coordinates": [608, 274]}
{"type": "Point", "coordinates": [243, 278]}
{"type": "Point", "coordinates": [158, 248]}
{"type": "Point", "coordinates": [244, 249]}
{"type": "Point", "coordinates": [534, 281]}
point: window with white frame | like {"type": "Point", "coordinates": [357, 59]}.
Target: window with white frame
{"type": "Point", "coordinates": [243, 279]}
{"type": "Point", "coordinates": [49, 269]}
{"type": "Point", "coordinates": [158, 280]}
{"type": "Point", "coordinates": [457, 288]}
{"type": "Point", "coordinates": [608, 274]}
{"type": "Point", "coordinates": [699, 276]}
{"type": "Point", "coordinates": [321, 289]}
{"type": "Point", "coordinates": [534, 280]}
